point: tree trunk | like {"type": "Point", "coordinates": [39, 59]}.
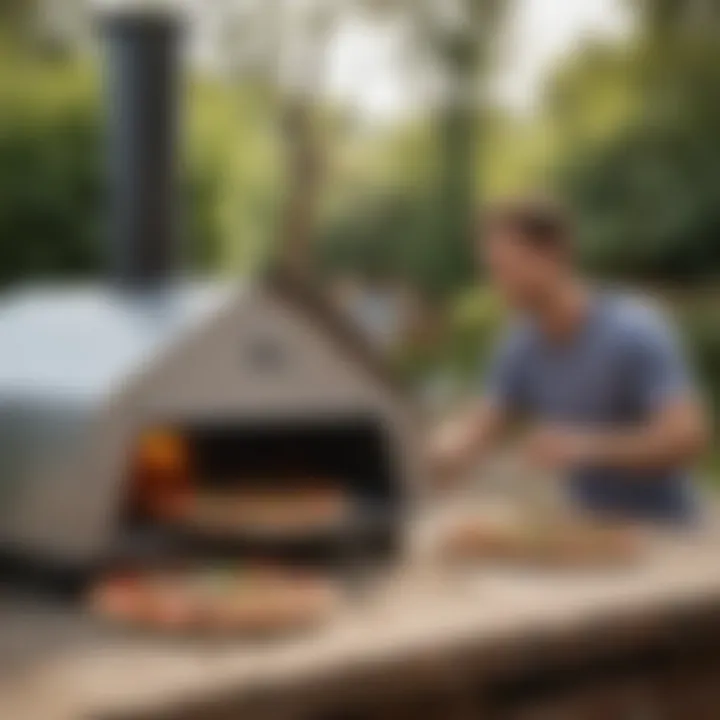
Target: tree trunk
{"type": "Point", "coordinates": [302, 144]}
{"type": "Point", "coordinates": [303, 183]}
{"type": "Point", "coordinates": [458, 127]}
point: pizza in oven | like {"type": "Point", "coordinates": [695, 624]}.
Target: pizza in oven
{"type": "Point", "coordinates": [279, 510]}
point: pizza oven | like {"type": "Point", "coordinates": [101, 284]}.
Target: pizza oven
{"type": "Point", "coordinates": [153, 415]}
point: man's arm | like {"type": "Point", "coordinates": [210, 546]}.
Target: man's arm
{"type": "Point", "coordinates": [675, 437]}
{"type": "Point", "coordinates": [463, 440]}
{"type": "Point", "coordinates": [676, 429]}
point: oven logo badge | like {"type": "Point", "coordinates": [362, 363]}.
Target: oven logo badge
{"type": "Point", "coordinates": [266, 356]}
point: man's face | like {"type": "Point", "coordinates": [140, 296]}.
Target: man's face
{"type": "Point", "coordinates": [525, 275]}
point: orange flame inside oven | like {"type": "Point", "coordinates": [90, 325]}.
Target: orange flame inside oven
{"type": "Point", "coordinates": [162, 475]}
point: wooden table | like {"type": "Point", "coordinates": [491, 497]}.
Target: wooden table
{"type": "Point", "coordinates": [488, 642]}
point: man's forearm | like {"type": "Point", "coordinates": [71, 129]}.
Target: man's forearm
{"type": "Point", "coordinates": [465, 439]}
{"type": "Point", "coordinates": [674, 439]}
{"type": "Point", "coordinates": [644, 449]}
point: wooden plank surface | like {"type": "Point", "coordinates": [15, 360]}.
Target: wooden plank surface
{"type": "Point", "coordinates": [58, 665]}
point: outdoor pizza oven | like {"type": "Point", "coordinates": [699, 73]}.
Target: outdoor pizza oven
{"type": "Point", "coordinates": [123, 402]}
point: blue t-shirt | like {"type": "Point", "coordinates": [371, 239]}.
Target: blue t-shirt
{"type": "Point", "coordinates": [616, 371]}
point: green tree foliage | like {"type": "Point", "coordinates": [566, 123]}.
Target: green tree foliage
{"type": "Point", "coordinates": [665, 18]}
{"type": "Point", "coordinates": [640, 157]}
{"type": "Point", "coordinates": [650, 202]}
{"type": "Point", "coordinates": [381, 208]}
{"type": "Point", "coordinates": [459, 47]}
{"type": "Point", "coordinates": [17, 16]}
{"type": "Point", "coordinates": [386, 235]}
{"type": "Point", "coordinates": [50, 191]}
{"type": "Point", "coordinates": [52, 169]}
{"type": "Point", "coordinates": [414, 214]}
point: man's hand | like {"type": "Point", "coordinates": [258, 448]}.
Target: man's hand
{"type": "Point", "coordinates": [558, 449]}
{"type": "Point", "coordinates": [449, 450]}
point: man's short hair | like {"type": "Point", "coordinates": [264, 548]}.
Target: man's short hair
{"type": "Point", "coordinates": [543, 222]}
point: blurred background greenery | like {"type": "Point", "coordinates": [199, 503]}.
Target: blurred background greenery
{"type": "Point", "coordinates": [624, 127]}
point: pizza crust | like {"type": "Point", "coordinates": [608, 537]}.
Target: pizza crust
{"type": "Point", "coordinates": [563, 542]}
{"type": "Point", "coordinates": [216, 602]}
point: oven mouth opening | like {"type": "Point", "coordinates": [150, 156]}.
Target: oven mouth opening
{"type": "Point", "coordinates": [236, 481]}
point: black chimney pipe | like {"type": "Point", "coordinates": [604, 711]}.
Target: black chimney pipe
{"type": "Point", "coordinates": [143, 137]}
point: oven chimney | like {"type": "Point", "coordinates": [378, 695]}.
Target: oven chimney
{"type": "Point", "coordinates": [143, 135]}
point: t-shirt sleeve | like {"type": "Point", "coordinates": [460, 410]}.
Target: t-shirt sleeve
{"type": "Point", "coordinates": [504, 381]}
{"type": "Point", "coordinates": [659, 367]}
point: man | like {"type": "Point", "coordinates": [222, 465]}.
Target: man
{"type": "Point", "coordinates": [600, 376]}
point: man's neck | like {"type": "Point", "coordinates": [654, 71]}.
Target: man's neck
{"type": "Point", "coordinates": [566, 310]}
